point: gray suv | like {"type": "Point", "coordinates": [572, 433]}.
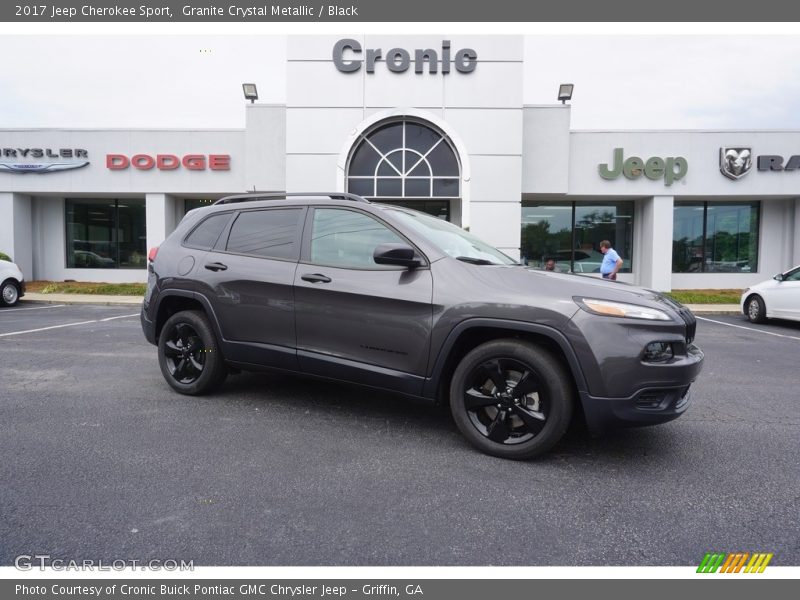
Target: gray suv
{"type": "Point", "coordinates": [336, 287]}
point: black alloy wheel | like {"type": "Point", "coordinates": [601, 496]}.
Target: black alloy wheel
{"type": "Point", "coordinates": [511, 399]}
{"type": "Point", "coordinates": [185, 354]}
{"type": "Point", "coordinates": [189, 355]}
{"type": "Point", "coordinates": [504, 401]}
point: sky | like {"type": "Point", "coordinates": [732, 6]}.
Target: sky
{"type": "Point", "coordinates": [194, 81]}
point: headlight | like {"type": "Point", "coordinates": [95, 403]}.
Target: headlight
{"type": "Point", "coordinates": [609, 308]}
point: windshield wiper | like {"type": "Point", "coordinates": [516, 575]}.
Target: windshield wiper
{"type": "Point", "coordinates": [474, 261]}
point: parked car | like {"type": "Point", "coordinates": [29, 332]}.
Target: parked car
{"type": "Point", "coordinates": [13, 286]}
{"type": "Point", "coordinates": [336, 287]}
{"type": "Point", "coordinates": [776, 298]}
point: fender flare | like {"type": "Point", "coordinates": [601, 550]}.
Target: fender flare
{"type": "Point", "coordinates": [201, 298]}
{"type": "Point", "coordinates": [432, 384]}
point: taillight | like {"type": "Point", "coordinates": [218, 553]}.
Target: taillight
{"type": "Point", "coordinates": [151, 256]}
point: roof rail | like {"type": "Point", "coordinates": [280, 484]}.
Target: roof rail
{"type": "Point", "coordinates": [255, 196]}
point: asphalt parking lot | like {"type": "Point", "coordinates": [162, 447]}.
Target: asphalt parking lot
{"type": "Point", "coordinates": [101, 460]}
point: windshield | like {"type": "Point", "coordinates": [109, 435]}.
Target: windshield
{"type": "Point", "coordinates": [453, 240]}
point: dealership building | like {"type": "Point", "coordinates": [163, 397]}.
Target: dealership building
{"type": "Point", "coordinates": [436, 123]}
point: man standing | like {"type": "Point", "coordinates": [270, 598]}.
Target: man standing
{"type": "Point", "coordinates": [612, 263]}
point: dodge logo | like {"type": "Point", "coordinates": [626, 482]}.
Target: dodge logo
{"type": "Point", "coordinates": [735, 163]}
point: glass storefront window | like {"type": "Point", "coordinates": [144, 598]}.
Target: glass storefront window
{"type": "Point", "coordinates": [106, 234]}
{"type": "Point", "coordinates": [570, 233]}
{"type": "Point", "coordinates": [715, 237]}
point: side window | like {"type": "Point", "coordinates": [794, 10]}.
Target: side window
{"type": "Point", "coordinates": [793, 276]}
{"type": "Point", "coordinates": [268, 233]}
{"type": "Point", "coordinates": [205, 235]}
{"type": "Point", "coordinates": [344, 238]}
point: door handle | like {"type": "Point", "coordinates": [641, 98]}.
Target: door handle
{"type": "Point", "coordinates": [216, 266]}
{"type": "Point", "coordinates": [315, 278]}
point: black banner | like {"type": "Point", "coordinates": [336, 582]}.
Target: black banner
{"type": "Point", "coordinates": [461, 11]}
{"type": "Point", "coordinates": [422, 589]}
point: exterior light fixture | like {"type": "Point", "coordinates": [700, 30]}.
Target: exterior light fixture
{"type": "Point", "coordinates": [250, 92]}
{"type": "Point", "coordinates": [565, 92]}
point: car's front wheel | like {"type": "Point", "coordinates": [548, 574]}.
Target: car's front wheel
{"type": "Point", "coordinates": [9, 293]}
{"type": "Point", "coordinates": [755, 309]}
{"type": "Point", "coordinates": [189, 355]}
{"type": "Point", "coordinates": [511, 399]}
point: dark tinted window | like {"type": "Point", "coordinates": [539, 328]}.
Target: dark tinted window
{"type": "Point", "coordinates": [106, 234]}
{"type": "Point", "coordinates": [268, 233]}
{"type": "Point", "coordinates": [205, 235]}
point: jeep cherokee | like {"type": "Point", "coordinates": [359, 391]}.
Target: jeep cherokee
{"type": "Point", "coordinates": [337, 287]}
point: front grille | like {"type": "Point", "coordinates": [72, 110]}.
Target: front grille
{"type": "Point", "coordinates": [686, 315]}
{"type": "Point", "coordinates": [691, 324]}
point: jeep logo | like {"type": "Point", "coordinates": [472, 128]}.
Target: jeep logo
{"type": "Point", "coordinates": [347, 58]}
{"type": "Point", "coordinates": [669, 169]}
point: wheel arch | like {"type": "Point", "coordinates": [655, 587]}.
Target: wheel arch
{"type": "Point", "coordinates": [471, 333]}
{"type": "Point", "coordinates": [174, 301]}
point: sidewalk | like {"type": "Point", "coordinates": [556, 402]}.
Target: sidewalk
{"type": "Point", "coordinates": [698, 309]}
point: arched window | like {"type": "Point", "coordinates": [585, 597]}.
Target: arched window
{"type": "Point", "coordinates": [404, 159]}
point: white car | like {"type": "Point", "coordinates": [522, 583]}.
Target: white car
{"type": "Point", "coordinates": [13, 286]}
{"type": "Point", "coordinates": [777, 298]}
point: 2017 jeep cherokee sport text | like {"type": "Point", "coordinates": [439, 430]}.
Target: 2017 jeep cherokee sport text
{"type": "Point", "coordinates": [333, 286]}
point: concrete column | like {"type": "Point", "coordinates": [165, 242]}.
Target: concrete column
{"type": "Point", "coordinates": [795, 233]}
{"type": "Point", "coordinates": [265, 148]}
{"type": "Point", "coordinates": [16, 230]}
{"type": "Point", "coordinates": [160, 218]}
{"type": "Point", "coordinates": [653, 264]}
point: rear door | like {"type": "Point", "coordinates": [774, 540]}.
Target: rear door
{"type": "Point", "coordinates": [250, 273]}
{"type": "Point", "coordinates": [357, 320]}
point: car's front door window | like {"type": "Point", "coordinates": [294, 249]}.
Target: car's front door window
{"type": "Point", "coordinates": [347, 239]}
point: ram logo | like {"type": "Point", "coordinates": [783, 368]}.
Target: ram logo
{"type": "Point", "coordinates": [735, 163]}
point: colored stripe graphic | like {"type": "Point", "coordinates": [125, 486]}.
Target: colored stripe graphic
{"type": "Point", "coordinates": [711, 562]}
{"type": "Point", "coordinates": [734, 562]}
{"type": "Point", "coordinates": [758, 563]}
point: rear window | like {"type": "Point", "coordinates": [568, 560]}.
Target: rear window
{"type": "Point", "coordinates": [205, 235]}
{"type": "Point", "coordinates": [268, 233]}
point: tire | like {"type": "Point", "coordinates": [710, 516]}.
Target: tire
{"type": "Point", "coordinates": [755, 310]}
{"type": "Point", "coordinates": [9, 293]}
{"type": "Point", "coordinates": [535, 406]}
{"type": "Point", "coordinates": [189, 355]}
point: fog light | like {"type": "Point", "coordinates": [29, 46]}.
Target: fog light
{"type": "Point", "coordinates": [658, 352]}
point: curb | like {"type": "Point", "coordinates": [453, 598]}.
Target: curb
{"type": "Point", "coordinates": [81, 299]}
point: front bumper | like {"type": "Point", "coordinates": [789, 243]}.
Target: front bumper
{"type": "Point", "coordinates": [650, 406]}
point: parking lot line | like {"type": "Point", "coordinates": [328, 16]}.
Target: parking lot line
{"type": "Point", "coordinates": [68, 325]}
{"type": "Point", "coordinates": [791, 337]}
{"type": "Point", "coordinates": [5, 310]}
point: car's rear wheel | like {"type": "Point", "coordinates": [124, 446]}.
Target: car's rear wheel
{"type": "Point", "coordinates": [188, 354]}
{"type": "Point", "coordinates": [755, 310]}
{"type": "Point", "coordinates": [9, 293]}
{"type": "Point", "coordinates": [511, 399]}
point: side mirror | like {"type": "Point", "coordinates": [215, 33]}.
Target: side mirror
{"type": "Point", "coordinates": [400, 255]}
{"type": "Point", "coordinates": [778, 277]}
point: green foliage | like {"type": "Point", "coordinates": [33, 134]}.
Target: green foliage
{"type": "Point", "coordinates": [706, 296]}
{"type": "Point", "coordinates": [77, 287]}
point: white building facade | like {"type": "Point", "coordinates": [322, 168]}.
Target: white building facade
{"type": "Point", "coordinates": [432, 122]}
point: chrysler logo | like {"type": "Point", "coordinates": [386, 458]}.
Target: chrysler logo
{"type": "Point", "coordinates": [735, 163]}
{"type": "Point", "coordinates": [38, 167]}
